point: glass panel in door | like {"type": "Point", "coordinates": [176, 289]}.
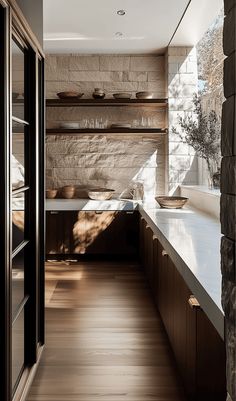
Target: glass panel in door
{"type": "Point", "coordinates": [18, 348]}
{"type": "Point", "coordinates": [18, 80]}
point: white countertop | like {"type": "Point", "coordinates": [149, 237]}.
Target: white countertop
{"type": "Point", "coordinates": [90, 205]}
{"type": "Point", "coordinates": [190, 237]}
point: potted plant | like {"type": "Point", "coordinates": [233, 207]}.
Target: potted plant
{"type": "Point", "coordinates": [202, 132]}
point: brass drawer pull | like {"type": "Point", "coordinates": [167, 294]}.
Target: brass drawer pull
{"type": "Point", "coordinates": [54, 212]}
{"type": "Point", "coordinates": [193, 302]}
{"type": "Point", "coordinates": [164, 253]}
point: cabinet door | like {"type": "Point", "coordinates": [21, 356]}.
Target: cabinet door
{"type": "Point", "coordinates": [210, 361]}
{"type": "Point", "coordinates": [112, 233]}
{"type": "Point", "coordinates": [101, 232]}
{"type": "Point", "coordinates": [184, 328]}
{"type": "Point", "coordinates": [169, 297]}
{"type": "Point", "coordinates": [131, 230]}
{"type": "Point", "coordinates": [142, 225]}
{"type": "Point", "coordinates": [148, 253]}
{"type": "Point", "coordinates": [189, 372]}
{"type": "Point", "coordinates": [154, 278]}
{"type": "Point", "coordinates": [54, 233]}
{"type": "Point", "coordinates": [73, 231]}
{"type": "Point", "coordinates": [162, 282]}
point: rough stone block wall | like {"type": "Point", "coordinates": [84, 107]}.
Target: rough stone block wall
{"type": "Point", "coordinates": [182, 83]}
{"type": "Point", "coordinates": [106, 160]}
{"type": "Point", "coordinates": [228, 197]}
{"type": "Point", "coordinates": [112, 73]}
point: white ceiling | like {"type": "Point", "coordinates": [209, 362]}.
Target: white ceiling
{"type": "Point", "coordinates": [90, 26]}
{"type": "Point", "coordinates": [197, 19]}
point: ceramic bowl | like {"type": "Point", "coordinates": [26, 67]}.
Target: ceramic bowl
{"type": "Point", "coordinates": [171, 202]}
{"type": "Point", "coordinates": [51, 193]}
{"type": "Point", "coordinates": [100, 194]}
{"type": "Point", "coordinates": [144, 95]}
{"type": "Point", "coordinates": [69, 95]}
{"type": "Point", "coordinates": [122, 95]}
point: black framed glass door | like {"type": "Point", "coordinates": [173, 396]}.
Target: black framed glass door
{"type": "Point", "coordinates": [22, 205]}
{"type": "Point", "coordinates": [20, 193]}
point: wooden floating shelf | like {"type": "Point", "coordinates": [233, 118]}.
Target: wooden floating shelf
{"type": "Point", "coordinates": [106, 102]}
{"type": "Point", "coordinates": [60, 131]}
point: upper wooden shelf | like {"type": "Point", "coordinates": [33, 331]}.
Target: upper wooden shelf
{"type": "Point", "coordinates": [60, 131]}
{"type": "Point", "coordinates": [107, 102]}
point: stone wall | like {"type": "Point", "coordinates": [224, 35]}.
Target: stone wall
{"type": "Point", "coordinates": [112, 73]}
{"type": "Point", "coordinates": [106, 161]}
{"type": "Point", "coordinates": [182, 83]}
{"type": "Point", "coordinates": [110, 160]}
{"type": "Point", "coordinates": [228, 197]}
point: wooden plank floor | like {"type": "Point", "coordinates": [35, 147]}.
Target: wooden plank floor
{"type": "Point", "coordinates": [104, 338]}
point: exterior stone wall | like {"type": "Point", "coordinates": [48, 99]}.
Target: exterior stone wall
{"type": "Point", "coordinates": [113, 161]}
{"type": "Point", "coordinates": [182, 83]}
{"type": "Point", "coordinates": [228, 197]}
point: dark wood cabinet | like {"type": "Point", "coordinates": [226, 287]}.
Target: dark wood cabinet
{"type": "Point", "coordinates": [54, 233]}
{"type": "Point", "coordinates": [92, 233]}
{"type": "Point", "coordinates": [199, 350]}
{"type": "Point", "coordinates": [210, 361]}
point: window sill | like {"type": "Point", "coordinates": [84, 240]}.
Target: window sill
{"type": "Point", "coordinates": [202, 198]}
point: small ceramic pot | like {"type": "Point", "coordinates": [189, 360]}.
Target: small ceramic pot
{"type": "Point", "coordinates": [51, 193]}
{"type": "Point", "coordinates": [98, 93]}
{"type": "Point", "coordinates": [68, 191]}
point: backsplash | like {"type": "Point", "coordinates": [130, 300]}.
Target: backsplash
{"type": "Point", "coordinates": [108, 160]}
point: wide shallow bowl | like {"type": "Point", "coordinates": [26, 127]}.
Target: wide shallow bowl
{"type": "Point", "coordinates": [100, 194]}
{"type": "Point", "coordinates": [171, 202]}
{"type": "Point", "coordinates": [69, 95]}
{"type": "Point", "coordinates": [51, 193]}
{"type": "Point", "coordinates": [144, 95]}
{"type": "Point", "coordinates": [122, 95]}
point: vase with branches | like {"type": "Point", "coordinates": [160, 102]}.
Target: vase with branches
{"type": "Point", "coordinates": [202, 132]}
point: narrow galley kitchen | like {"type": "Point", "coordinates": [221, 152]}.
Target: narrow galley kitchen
{"type": "Point", "coordinates": [132, 263]}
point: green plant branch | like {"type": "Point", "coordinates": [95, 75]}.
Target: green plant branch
{"type": "Point", "coordinates": [202, 132]}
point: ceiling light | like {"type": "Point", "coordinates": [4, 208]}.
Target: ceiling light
{"type": "Point", "coordinates": [121, 12]}
{"type": "Point", "coordinates": [119, 34]}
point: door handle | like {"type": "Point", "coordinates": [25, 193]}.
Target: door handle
{"type": "Point", "coordinates": [193, 302]}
